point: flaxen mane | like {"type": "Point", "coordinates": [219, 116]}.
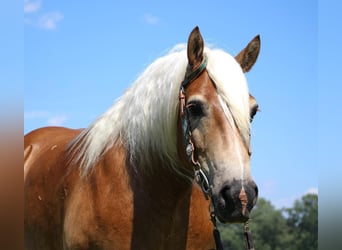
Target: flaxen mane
{"type": "Point", "coordinates": [144, 119]}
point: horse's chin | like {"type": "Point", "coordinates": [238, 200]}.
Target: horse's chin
{"type": "Point", "coordinates": [234, 218]}
{"type": "Point", "coordinates": [225, 215]}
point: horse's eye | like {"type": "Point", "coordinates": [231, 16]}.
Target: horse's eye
{"type": "Point", "coordinates": [195, 109]}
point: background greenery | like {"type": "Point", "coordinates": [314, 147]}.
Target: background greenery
{"type": "Point", "coordinates": [274, 229]}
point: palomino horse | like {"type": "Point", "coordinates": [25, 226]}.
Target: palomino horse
{"type": "Point", "coordinates": [128, 180]}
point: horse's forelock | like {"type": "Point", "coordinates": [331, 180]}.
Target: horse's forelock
{"type": "Point", "coordinates": [232, 87]}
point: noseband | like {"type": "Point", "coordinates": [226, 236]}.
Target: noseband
{"type": "Point", "coordinates": [201, 176]}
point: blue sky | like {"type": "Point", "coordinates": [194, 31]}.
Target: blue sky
{"type": "Point", "coordinates": [80, 56]}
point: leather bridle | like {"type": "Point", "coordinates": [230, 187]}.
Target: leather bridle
{"type": "Point", "coordinates": [201, 176]}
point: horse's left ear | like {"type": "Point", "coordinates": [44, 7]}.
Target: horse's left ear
{"type": "Point", "coordinates": [195, 48]}
{"type": "Point", "coordinates": [248, 56]}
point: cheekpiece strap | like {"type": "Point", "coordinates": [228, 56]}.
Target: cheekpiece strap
{"type": "Point", "coordinates": [200, 175]}
{"type": "Point", "coordinates": [184, 117]}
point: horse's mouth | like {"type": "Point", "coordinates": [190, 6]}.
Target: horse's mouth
{"type": "Point", "coordinates": [235, 217]}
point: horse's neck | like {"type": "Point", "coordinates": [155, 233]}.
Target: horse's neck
{"type": "Point", "coordinates": [161, 208]}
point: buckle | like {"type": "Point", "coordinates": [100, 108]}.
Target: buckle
{"type": "Point", "coordinates": [203, 181]}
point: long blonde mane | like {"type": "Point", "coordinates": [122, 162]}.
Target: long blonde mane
{"type": "Point", "coordinates": [144, 119]}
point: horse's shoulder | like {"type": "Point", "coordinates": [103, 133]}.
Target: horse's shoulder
{"type": "Point", "coordinates": [44, 145]}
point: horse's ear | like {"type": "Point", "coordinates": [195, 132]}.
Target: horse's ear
{"type": "Point", "coordinates": [195, 48]}
{"type": "Point", "coordinates": [248, 56]}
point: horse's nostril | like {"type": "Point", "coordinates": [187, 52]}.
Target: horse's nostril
{"type": "Point", "coordinates": [255, 198]}
{"type": "Point", "coordinates": [225, 192]}
{"type": "Point", "coordinates": [256, 190]}
{"type": "Point", "coordinates": [227, 196]}
{"type": "Point", "coordinates": [253, 191]}
{"type": "Point", "coordinates": [225, 189]}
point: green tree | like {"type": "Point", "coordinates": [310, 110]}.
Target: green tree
{"type": "Point", "coordinates": [302, 220]}
{"type": "Point", "coordinates": [293, 228]}
{"type": "Point", "coordinates": [268, 226]}
{"type": "Point", "coordinates": [232, 236]}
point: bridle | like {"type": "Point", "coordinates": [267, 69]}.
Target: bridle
{"type": "Point", "coordinates": [201, 175]}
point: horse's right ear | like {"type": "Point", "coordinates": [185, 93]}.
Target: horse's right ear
{"type": "Point", "coordinates": [195, 48]}
{"type": "Point", "coordinates": [248, 56]}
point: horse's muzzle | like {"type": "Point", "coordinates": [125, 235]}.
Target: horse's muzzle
{"type": "Point", "coordinates": [235, 201]}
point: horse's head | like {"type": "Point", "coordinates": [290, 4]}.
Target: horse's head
{"type": "Point", "coordinates": [215, 114]}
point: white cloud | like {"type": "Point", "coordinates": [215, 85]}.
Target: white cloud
{"type": "Point", "coordinates": [271, 191]}
{"type": "Point", "coordinates": [312, 190]}
{"type": "Point", "coordinates": [32, 6]}
{"type": "Point", "coordinates": [151, 19]}
{"type": "Point", "coordinates": [46, 20]}
{"type": "Point", "coordinates": [46, 118]}
{"type": "Point", "coordinates": [288, 202]}
{"type": "Point", "coordinates": [49, 20]}
{"type": "Point", "coordinates": [57, 120]}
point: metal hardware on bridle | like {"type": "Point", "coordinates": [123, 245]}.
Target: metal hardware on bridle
{"type": "Point", "coordinates": [200, 176]}
{"type": "Point", "coordinates": [248, 237]}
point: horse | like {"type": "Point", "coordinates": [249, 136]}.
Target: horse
{"type": "Point", "coordinates": [147, 172]}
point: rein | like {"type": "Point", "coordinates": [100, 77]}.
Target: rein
{"type": "Point", "coordinates": [201, 176]}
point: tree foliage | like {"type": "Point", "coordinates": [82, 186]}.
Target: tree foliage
{"type": "Point", "coordinates": [274, 229]}
{"type": "Point", "coordinates": [303, 222]}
